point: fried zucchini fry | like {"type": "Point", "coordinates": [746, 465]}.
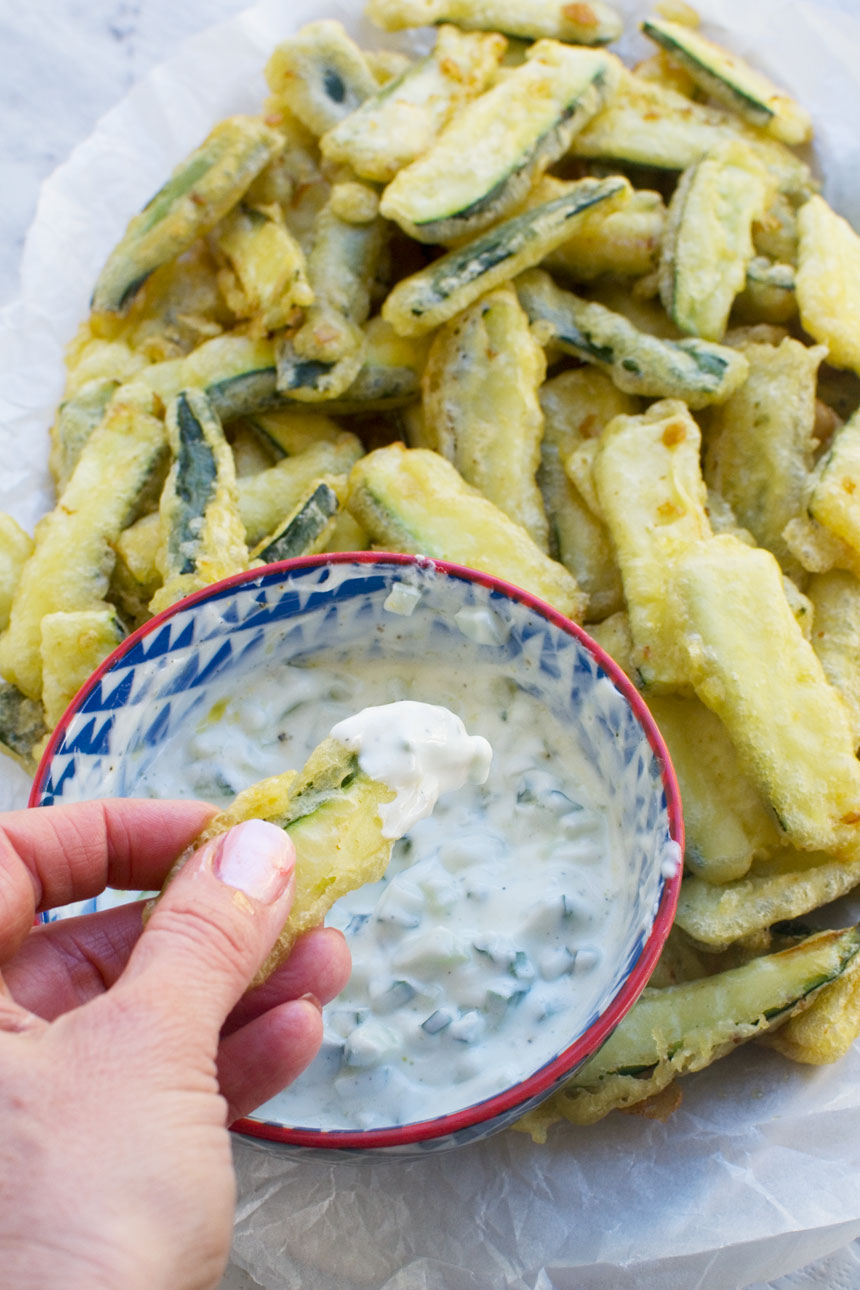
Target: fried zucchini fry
{"type": "Point", "coordinates": [202, 536]}
{"type": "Point", "coordinates": [828, 281]}
{"type": "Point", "coordinates": [698, 371]}
{"type": "Point", "coordinates": [647, 124]}
{"type": "Point", "coordinates": [787, 885]}
{"type": "Point", "coordinates": [683, 1028]}
{"type": "Point", "coordinates": [400, 121]}
{"type": "Point", "coordinates": [577, 406]}
{"type": "Point", "coordinates": [22, 727]}
{"type": "Point", "coordinates": [71, 563]}
{"type": "Point", "coordinates": [411, 499]}
{"type": "Point", "coordinates": [834, 501]}
{"type": "Point", "coordinates": [708, 244]}
{"type": "Point", "coordinates": [334, 813]}
{"type": "Point", "coordinates": [76, 419]}
{"type": "Point", "coordinates": [265, 499]}
{"type": "Point", "coordinates": [321, 75]}
{"type": "Point", "coordinates": [239, 374]}
{"type": "Point", "coordinates": [435, 294]}
{"type": "Point", "coordinates": [769, 294]}
{"type": "Point", "coordinates": [481, 405]}
{"type": "Point", "coordinates": [285, 432]}
{"type": "Point", "coordinates": [199, 192]}
{"type": "Point", "coordinates": [731, 81]}
{"type": "Point", "coordinates": [823, 1032]}
{"type": "Point", "coordinates": [621, 243]}
{"type": "Point", "coordinates": [482, 164]}
{"type": "Point", "coordinates": [73, 645]}
{"type": "Point", "coordinates": [727, 822]}
{"type": "Point", "coordinates": [835, 635]}
{"type": "Point", "coordinates": [305, 531]}
{"type": "Point", "coordinates": [759, 450]}
{"type": "Point", "coordinates": [750, 664]}
{"type": "Point", "coordinates": [593, 23]}
{"type": "Point", "coordinates": [267, 266]}
{"type": "Point", "coordinates": [324, 356]}
{"type": "Point", "coordinates": [16, 547]}
{"type": "Point", "coordinates": [652, 497]}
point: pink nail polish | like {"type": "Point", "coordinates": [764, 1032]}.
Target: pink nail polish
{"type": "Point", "coordinates": [255, 857]}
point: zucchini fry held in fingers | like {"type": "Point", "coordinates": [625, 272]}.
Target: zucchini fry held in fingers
{"type": "Point", "coordinates": [340, 811]}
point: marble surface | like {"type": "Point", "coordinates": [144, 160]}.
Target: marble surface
{"type": "Point", "coordinates": [65, 63]}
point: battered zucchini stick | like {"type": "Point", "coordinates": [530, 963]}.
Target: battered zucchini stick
{"type": "Point", "coordinates": [199, 192]}
{"type": "Point", "coordinates": [345, 809]}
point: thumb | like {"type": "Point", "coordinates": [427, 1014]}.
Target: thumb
{"type": "Point", "coordinates": [212, 928]}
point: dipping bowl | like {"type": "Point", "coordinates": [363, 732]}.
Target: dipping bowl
{"type": "Point", "coordinates": [373, 606]}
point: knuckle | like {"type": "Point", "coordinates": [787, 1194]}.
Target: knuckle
{"type": "Point", "coordinates": [208, 938]}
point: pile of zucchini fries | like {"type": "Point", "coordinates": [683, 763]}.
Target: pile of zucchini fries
{"type": "Point", "coordinates": [519, 306]}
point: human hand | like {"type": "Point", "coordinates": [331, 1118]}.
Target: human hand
{"type": "Point", "coordinates": [124, 1056]}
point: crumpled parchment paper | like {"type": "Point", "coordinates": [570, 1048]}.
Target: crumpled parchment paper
{"type": "Point", "coordinates": [758, 1173]}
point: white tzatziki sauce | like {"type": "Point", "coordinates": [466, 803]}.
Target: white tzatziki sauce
{"type": "Point", "coordinates": [489, 941]}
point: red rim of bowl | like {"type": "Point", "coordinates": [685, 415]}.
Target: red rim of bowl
{"type": "Point", "coordinates": [588, 1043]}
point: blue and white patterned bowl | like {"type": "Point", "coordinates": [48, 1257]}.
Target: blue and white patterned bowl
{"type": "Point", "coordinates": [162, 678]}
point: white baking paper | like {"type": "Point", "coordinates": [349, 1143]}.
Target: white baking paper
{"type": "Point", "coordinates": [758, 1173]}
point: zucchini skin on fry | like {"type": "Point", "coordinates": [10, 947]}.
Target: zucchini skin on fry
{"type": "Point", "coordinates": [683, 1028]}
{"type": "Point", "coordinates": [200, 191]}
{"type": "Point", "coordinates": [411, 499]}
{"type": "Point", "coordinates": [305, 531]}
{"type": "Point", "coordinates": [70, 566]}
{"type": "Point", "coordinates": [485, 160]}
{"type": "Point", "coordinates": [202, 538]}
{"type": "Point", "coordinates": [698, 371]}
{"type": "Point", "coordinates": [22, 726]}
{"type": "Point", "coordinates": [435, 294]}
{"type": "Point", "coordinates": [728, 79]}
{"type": "Point", "coordinates": [330, 809]}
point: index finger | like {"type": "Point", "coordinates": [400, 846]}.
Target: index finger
{"type": "Point", "coordinates": [52, 855]}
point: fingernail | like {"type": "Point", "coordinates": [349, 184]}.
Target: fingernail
{"type": "Point", "coordinates": [311, 998]}
{"type": "Point", "coordinates": [255, 857]}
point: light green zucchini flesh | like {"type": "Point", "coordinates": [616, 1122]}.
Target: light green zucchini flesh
{"type": "Point", "coordinates": [486, 158]}
{"type": "Point", "coordinates": [707, 243]}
